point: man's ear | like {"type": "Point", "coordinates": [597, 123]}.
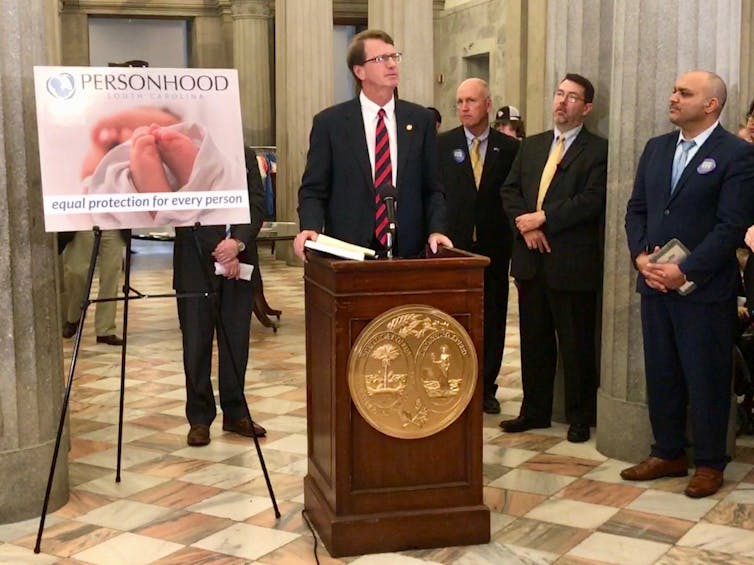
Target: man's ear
{"type": "Point", "coordinates": [712, 105]}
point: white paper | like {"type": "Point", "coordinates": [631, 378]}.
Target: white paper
{"type": "Point", "coordinates": [245, 270]}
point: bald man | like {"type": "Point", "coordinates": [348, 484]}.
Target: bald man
{"type": "Point", "coordinates": [476, 221]}
{"type": "Point", "coordinates": [693, 185]}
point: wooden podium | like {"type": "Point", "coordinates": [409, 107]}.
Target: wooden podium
{"type": "Point", "coordinates": [367, 492]}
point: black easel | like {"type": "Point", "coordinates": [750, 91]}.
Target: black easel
{"type": "Point", "coordinates": [223, 339]}
{"type": "Point", "coordinates": [71, 371]}
{"type": "Point", "coordinates": [126, 298]}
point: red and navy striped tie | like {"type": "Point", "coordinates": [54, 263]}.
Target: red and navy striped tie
{"type": "Point", "coordinates": [383, 173]}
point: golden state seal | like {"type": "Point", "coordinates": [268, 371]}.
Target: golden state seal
{"type": "Point", "coordinates": [412, 371]}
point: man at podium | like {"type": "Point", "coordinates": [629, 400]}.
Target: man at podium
{"type": "Point", "coordinates": [372, 141]}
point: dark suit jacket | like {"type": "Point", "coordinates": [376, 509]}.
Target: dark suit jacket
{"type": "Point", "coordinates": [337, 189]}
{"type": "Point", "coordinates": [189, 267]}
{"type": "Point", "coordinates": [469, 207]}
{"type": "Point", "coordinates": [708, 211]}
{"type": "Point", "coordinates": [574, 207]}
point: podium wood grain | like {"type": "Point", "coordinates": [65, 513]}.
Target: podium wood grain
{"type": "Point", "coordinates": [367, 492]}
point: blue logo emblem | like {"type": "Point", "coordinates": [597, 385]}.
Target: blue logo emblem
{"type": "Point", "coordinates": [706, 166]}
{"type": "Point", "coordinates": [61, 86]}
{"type": "Point", "coordinates": [459, 156]}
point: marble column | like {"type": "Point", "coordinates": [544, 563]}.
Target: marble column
{"type": "Point", "coordinates": [579, 40]}
{"type": "Point", "coordinates": [410, 25]}
{"type": "Point", "coordinates": [303, 87]}
{"type": "Point", "coordinates": [653, 42]}
{"type": "Point", "coordinates": [536, 87]}
{"type": "Point", "coordinates": [209, 46]}
{"type": "Point", "coordinates": [252, 43]}
{"type": "Point", "coordinates": [747, 59]}
{"type": "Point", "coordinates": [75, 28]}
{"type": "Point", "coordinates": [31, 372]}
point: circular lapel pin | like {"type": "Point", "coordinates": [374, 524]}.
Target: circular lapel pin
{"type": "Point", "coordinates": [459, 156]}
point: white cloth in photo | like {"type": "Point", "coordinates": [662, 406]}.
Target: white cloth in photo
{"type": "Point", "coordinates": [212, 171]}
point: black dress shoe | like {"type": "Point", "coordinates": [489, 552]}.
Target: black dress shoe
{"type": "Point", "coordinates": [521, 424]}
{"type": "Point", "coordinates": [578, 433]}
{"type": "Point", "coordinates": [69, 329]}
{"type": "Point", "coordinates": [243, 427]}
{"type": "Point", "coordinates": [109, 339]}
{"type": "Point", "coordinates": [491, 405]}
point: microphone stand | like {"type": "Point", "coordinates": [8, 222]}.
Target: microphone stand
{"type": "Point", "coordinates": [390, 239]}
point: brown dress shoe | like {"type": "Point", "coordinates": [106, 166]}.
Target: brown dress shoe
{"type": "Point", "coordinates": [243, 427]}
{"type": "Point", "coordinates": [705, 482]}
{"type": "Point", "coordinates": [655, 468]}
{"type": "Point", "coordinates": [198, 435]}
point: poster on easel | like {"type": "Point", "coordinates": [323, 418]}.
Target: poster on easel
{"type": "Point", "coordinates": [140, 147]}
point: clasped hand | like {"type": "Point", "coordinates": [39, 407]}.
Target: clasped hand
{"type": "Point", "coordinates": [660, 276]}
{"type": "Point", "coordinates": [226, 253]}
{"type": "Point", "coordinates": [529, 226]}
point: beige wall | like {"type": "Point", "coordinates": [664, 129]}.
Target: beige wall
{"type": "Point", "coordinates": [511, 34]}
{"type": "Point", "coordinates": [211, 38]}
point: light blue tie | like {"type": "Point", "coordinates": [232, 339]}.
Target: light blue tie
{"type": "Point", "coordinates": [679, 163]}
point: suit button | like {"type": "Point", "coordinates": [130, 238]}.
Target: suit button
{"type": "Point", "coordinates": [666, 212]}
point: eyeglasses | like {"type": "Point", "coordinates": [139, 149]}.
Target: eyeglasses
{"type": "Point", "coordinates": [394, 57]}
{"type": "Point", "coordinates": [569, 96]}
{"type": "Point", "coordinates": [750, 117]}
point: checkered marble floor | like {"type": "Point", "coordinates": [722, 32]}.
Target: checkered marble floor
{"type": "Point", "coordinates": [551, 501]}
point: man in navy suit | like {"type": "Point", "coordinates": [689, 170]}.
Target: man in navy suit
{"type": "Point", "coordinates": [695, 186]}
{"type": "Point", "coordinates": [555, 198]}
{"type": "Point", "coordinates": [474, 161]}
{"type": "Point", "coordinates": [337, 193]}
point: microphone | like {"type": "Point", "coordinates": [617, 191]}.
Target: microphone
{"type": "Point", "coordinates": [389, 195]}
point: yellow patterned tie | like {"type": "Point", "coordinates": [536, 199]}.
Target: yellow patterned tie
{"type": "Point", "coordinates": [549, 171]}
{"type": "Point", "coordinates": [476, 161]}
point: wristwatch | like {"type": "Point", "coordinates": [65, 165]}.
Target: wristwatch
{"type": "Point", "coordinates": [241, 245]}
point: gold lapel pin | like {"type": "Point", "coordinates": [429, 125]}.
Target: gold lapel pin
{"type": "Point", "coordinates": [409, 127]}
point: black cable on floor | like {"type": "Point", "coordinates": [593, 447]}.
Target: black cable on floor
{"type": "Point", "coordinates": [314, 534]}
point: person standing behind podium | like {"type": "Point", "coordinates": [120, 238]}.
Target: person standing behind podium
{"type": "Point", "coordinates": [694, 186]}
{"type": "Point", "coordinates": [555, 199]}
{"type": "Point", "coordinates": [232, 301]}
{"type": "Point", "coordinates": [474, 162]}
{"type": "Point", "coordinates": [357, 146]}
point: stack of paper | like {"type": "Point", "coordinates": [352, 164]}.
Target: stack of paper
{"type": "Point", "coordinates": [339, 248]}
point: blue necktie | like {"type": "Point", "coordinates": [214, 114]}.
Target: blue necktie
{"type": "Point", "coordinates": [679, 163]}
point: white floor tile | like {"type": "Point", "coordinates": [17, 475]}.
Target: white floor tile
{"type": "Point", "coordinates": [15, 555]}
{"type": "Point", "coordinates": [130, 456]}
{"type": "Point", "coordinates": [609, 548]}
{"type": "Point", "coordinates": [221, 476]}
{"type": "Point", "coordinates": [125, 515]}
{"type": "Point", "coordinates": [532, 481]}
{"type": "Point", "coordinates": [507, 456]}
{"type": "Point", "coordinates": [294, 443]}
{"type": "Point", "coordinates": [246, 541]}
{"type": "Point", "coordinates": [719, 538]}
{"type": "Point", "coordinates": [671, 504]}
{"type": "Point", "coordinates": [275, 406]}
{"type": "Point", "coordinates": [128, 549]}
{"type": "Point", "coordinates": [130, 483]}
{"type": "Point", "coordinates": [237, 506]}
{"type": "Point", "coordinates": [572, 513]}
